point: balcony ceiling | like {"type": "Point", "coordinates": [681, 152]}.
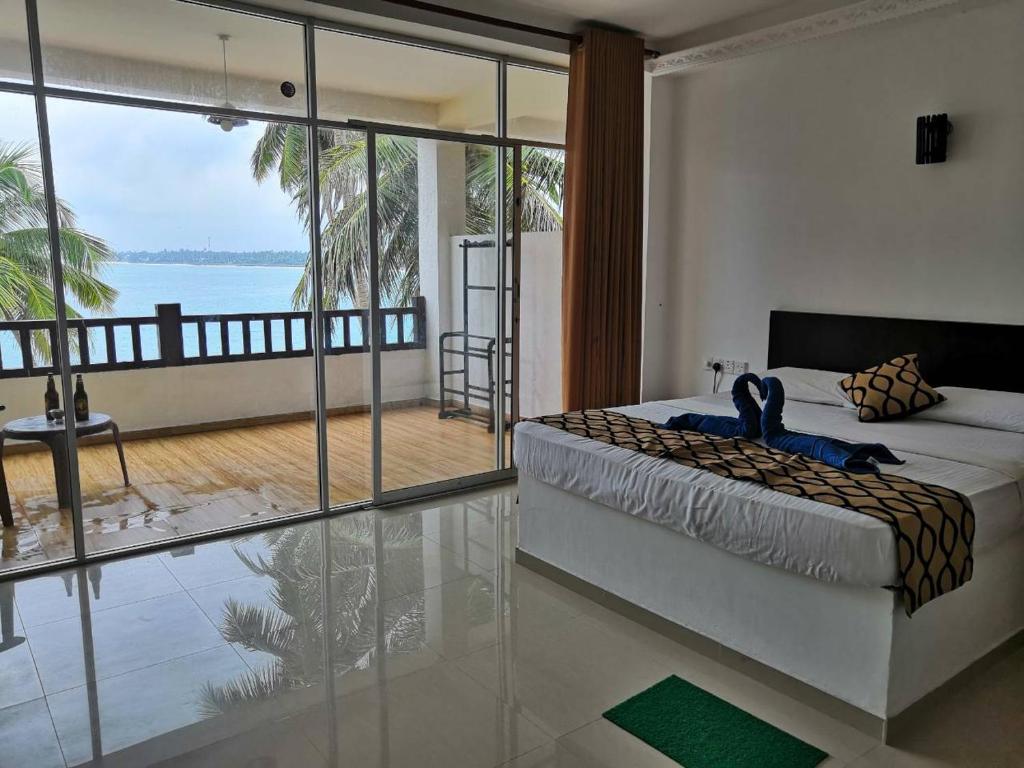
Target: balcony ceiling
{"type": "Point", "coordinates": [653, 19]}
{"type": "Point", "coordinates": [180, 35]}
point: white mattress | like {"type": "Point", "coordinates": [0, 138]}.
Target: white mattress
{"type": "Point", "coordinates": [750, 520]}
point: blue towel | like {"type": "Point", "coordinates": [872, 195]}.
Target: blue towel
{"type": "Point", "coordinates": [748, 424]}
{"type": "Point", "coordinates": [853, 457]}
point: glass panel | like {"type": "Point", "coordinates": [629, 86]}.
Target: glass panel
{"type": "Point", "coordinates": [203, 246]}
{"type": "Point", "coordinates": [174, 51]}
{"type": "Point", "coordinates": [537, 104]}
{"type": "Point", "coordinates": [436, 235]}
{"type": "Point", "coordinates": [347, 361]}
{"type": "Point", "coordinates": [363, 79]}
{"type": "Point", "coordinates": [540, 293]}
{"type": "Point", "coordinates": [15, 63]}
{"type": "Point", "coordinates": [35, 496]}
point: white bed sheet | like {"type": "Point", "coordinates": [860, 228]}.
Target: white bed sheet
{"type": "Point", "coordinates": [750, 520]}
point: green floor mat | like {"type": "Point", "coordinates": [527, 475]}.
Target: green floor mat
{"type": "Point", "coordinates": [699, 730]}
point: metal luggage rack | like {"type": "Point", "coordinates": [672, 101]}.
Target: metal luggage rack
{"type": "Point", "coordinates": [474, 347]}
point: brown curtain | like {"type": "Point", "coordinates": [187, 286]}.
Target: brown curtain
{"type": "Point", "coordinates": [602, 289]}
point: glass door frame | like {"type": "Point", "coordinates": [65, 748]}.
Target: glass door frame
{"type": "Point", "coordinates": [505, 147]}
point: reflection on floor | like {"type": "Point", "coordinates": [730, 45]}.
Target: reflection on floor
{"type": "Point", "coordinates": [436, 649]}
{"type": "Point", "coordinates": [208, 480]}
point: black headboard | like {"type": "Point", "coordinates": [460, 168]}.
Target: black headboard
{"type": "Point", "coordinates": [978, 355]}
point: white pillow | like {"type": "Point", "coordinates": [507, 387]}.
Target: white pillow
{"type": "Point", "coordinates": [807, 385]}
{"type": "Point", "coordinates": [979, 408]}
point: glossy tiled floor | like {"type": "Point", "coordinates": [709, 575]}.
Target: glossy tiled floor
{"type": "Point", "coordinates": [435, 649]}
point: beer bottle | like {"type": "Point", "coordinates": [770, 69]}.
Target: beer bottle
{"type": "Point", "coordinates": [81, 400]}
{"type": "Point", "coordinates": [51, 400]}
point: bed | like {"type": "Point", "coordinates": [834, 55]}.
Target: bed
{"type": "Point", "coordinates": [799, 586]}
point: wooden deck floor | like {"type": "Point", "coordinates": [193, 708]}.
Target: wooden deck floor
{"type": "Point", "coordinates": [208, 480]}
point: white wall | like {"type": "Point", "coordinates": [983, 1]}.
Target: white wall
{"type": "Point", "coordinates": [786, 180]}
{"type": "Point", "coordinates": [540, 313]}
{"type": "Point", "coordinates": [441, 185]}
{"type": "Point", "coordinates": [197, 394]}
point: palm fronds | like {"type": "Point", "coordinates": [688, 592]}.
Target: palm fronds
{"type": "Point", "coordinates": [289, 624]}
{"type": "Point", "coordinates": [345, 236]}
{"type": "Point", "coordinates": [26, 279]}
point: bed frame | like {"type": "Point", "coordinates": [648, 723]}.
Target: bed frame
{"type": "Point", "coordinates": [951, 354]}
{"type": "Point", "coordinates": [852, 646]}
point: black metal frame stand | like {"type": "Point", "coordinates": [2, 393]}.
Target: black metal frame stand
{"type": "Point", "coordinates": [474, 346]}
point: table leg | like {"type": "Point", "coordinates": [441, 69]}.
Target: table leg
{"type": "Point", "coordinates": [5, 498]}
{"type": "Point", "coordinates": [60, 470]}
{"type": "Point", "coordinates": [120, 452]}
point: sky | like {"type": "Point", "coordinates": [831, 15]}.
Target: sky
{"type": "Point", "coordinates": [147, 180]}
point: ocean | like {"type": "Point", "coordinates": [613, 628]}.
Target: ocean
{"type": "Point", "coordinates": [204, 289]}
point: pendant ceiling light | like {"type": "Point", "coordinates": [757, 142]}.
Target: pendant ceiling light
{"type": "Point", "coordinates": [226, 122]}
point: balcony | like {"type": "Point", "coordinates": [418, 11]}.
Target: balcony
{"type": "Point", "coordinates": [217, 423]}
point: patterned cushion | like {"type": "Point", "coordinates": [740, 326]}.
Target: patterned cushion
{"type": "Point", "coordinates": [891, 390]}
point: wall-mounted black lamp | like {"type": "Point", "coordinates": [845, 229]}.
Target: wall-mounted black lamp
{"type": "Point", "coordinates": [932, 137]}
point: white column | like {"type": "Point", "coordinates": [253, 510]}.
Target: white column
{"type": "Point", "coordinates": [442, 215]}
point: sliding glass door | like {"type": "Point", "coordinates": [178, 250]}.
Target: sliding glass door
{"type": "Point", "coordinates": [35, 490]}
{"type": "Point", "coordinates": [191, 338]}
{"type": "Point", "coordinates": [437, 251]}
{"type": "Point", "coordinates": [279, 287]}
{"type": "Point", "coordinates": [345, 256]}
{"type": "Point", "coordinates": [191, 345]}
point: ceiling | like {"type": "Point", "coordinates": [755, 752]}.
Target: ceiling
{"type": "Point", "coordinates": [653, 19]}
{"type": "Point", "coordinates": [185, 35]}
{"type": "Point", "coordinates": [666, 25]}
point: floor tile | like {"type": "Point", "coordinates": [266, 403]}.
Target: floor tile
{"type": "Point", "coordinates": [469, 614]}
{"type": "Point", "coordinates": [378, 642]}
{"type": "Point", "coordinates": [978, 721]}
{"type": "Point", "coordinates": [566, 678]}
{"type": "Point", "coordinates": [551, 755]}
{"type": "Point", "coordinates": [27, 737]}
{"type": "Point", "coordinates": [442, 652]}
{"type": "Point", "coordinates": [602, 743]}
{"type": "Point", "coordinates": [800, 720]}
{"type": "Point", "coordinates": [273, 619]}
{"type": "Point", "coordinates": [135, 710]}
{"type": "Point", "coordinates": [481, 537]}
{"type": "Point", "coordinates": [221, 602]}
{"type": "Point", "coordinates": [202, 564]}
{"type": "Point", "coordinates": [18, 679]}
{"type": "Point", "coordinates": [435, 718]}
{"type": "Point", "coordinates": [270, 744]}
{"type": "Point", "coordinates": [414, 563]}
{"type": "Point", "coordinates": [123, 639]}
{"type": "Point", "coordinates": [109, 585]}
{"type": "Point", "coordinates": [464, 511]}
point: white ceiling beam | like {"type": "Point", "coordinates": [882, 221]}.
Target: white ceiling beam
{"type": "Point", "coordinates": [832, 22]}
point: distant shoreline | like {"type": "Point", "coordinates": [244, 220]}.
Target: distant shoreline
{"type": "Point", "coordinates": [185, 257]}
{"type": "Point", "coordinates": [199, 264]}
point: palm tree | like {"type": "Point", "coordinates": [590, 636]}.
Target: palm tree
{"type": "Point", "coordinates": [282, 151]}
{"type": "Point", "coordinates": [344, 196]}
{"type": "Point", "coordinates": [543, 187]}
{"type": "Point", "coordinates": [291, 629]}
{"type": "Point", "coordinates": [26, 279]}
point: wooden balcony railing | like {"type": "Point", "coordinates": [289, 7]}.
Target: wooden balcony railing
{"type": "Point", "coordinates": [170, 338]}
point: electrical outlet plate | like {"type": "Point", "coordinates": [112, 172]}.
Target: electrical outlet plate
{"type": "Point", "coordinates": [731, 367]}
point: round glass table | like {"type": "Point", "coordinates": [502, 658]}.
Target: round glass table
{"type": "Point", "coordinates": [52, 433]}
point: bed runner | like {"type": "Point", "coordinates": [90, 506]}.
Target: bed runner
{"type": "Point", "coordinates": [933, 526]}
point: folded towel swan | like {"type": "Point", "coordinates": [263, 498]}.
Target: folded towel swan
{"type": "Point", "coordinates": [753, 423]}
{"type": "Point", "coordinates": [748, 424]}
